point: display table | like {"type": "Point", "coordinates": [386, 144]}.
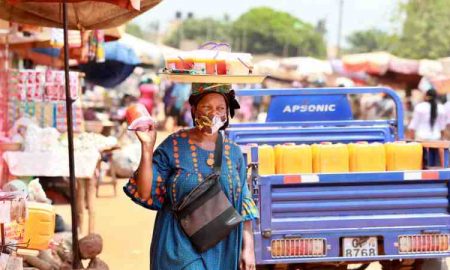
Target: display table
{"type": "Point", "coordinates": [55, 163]}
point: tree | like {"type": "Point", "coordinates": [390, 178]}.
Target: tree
{"type": "Point", "coordinates": [371, 40]}
{"type": "Point", "coordinates": [426, 29]}
{"type": "Point", "coordinates": [135, 30]}
{"type": "Point", "coordinates": [264, 30]}
{"type": "Point", "coordinates": [200, 30]}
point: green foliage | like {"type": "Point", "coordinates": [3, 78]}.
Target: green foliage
{"type": "Point", "coordinates": [135, 30]}
{"type": "Point", "coordinates": [260, 30]}
{"type": "Point", "coordinates": [264, 30]}
{"type": "Point", "coordinates": [426, 29]}
{"type": "Point", "coordinates": [201, 30]}
{"type": "Point", "coordinates": [371, 40]}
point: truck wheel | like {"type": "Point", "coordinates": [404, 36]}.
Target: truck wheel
{"type": "Point", "coordinates": [432, 264]}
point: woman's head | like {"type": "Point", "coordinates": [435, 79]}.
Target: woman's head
{"type": "Point", "coordinates": [431, 97]}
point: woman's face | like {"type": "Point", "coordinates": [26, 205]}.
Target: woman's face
{"type": "Point", "coordinates": [211, 105]}
{"type": "Point", "coordinates": [210, 113]}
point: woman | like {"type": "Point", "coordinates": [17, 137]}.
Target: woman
{"type": "Point", "coordinates": [176, 167]}
{"type": "Point", "coordinates": [428, 121]}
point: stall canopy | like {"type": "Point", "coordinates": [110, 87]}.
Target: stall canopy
{"type": "Point", "coordinates": [294, 68]}
{"type": "Point", "coordinates": [80, 14]}
{"type": "Point", "coordinates": [372, 63]}
{"type": "Point", "coordinates": [338, 68]}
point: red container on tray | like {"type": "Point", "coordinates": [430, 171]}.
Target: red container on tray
{"type": "Point", "coordinates": [138, 118]}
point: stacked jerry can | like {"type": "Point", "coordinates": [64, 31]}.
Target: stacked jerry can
{"type": "Point", "coordinates": [327, 157]}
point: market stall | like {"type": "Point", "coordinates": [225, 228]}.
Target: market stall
{"type": "Point", "coordinates": [81, 15]}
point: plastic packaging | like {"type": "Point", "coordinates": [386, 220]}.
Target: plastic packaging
{"type": "Point", "coordinates": [138, 117]}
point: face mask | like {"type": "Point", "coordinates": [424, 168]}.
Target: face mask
{"type": "Point", "coordinates": [209, 124]}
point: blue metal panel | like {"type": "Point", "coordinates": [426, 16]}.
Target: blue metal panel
{"type": "Point", "coordinates": [309, 135]}
{"type": "Point", "coordinates": [369, 205]}
{"type": "Point", "coordinates": [370, 177]}
{"type": "Point", "coordinates": [363, 192]}
{"type": "Point", "coordinates": [334, 91]}
{"type": "Point", "coordinates": [309, 108]}
{"type": "Point", "coordinates": [316, 123]}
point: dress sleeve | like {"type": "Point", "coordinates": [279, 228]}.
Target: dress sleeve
{"type": "Point", "coordinates": [249, 209]}
{"type": "Point", "coordinates": [161, 172]}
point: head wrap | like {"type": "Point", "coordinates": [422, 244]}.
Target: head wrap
{"type": "Point", "coordinates": [199, 90]}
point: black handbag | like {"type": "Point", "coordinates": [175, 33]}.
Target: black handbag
{"type": "Point", "coordinates": [205, 214]}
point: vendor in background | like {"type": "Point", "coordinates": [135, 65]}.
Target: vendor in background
{"type": "Point", "coordinates": [428, 120]}
{"type": "Point", "coordinates": [447, 111]}
{"type": "Point", "coordinates": [148, 90]}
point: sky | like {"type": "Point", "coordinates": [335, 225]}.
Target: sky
{"type": "Point", "coordinates": [357, 14]}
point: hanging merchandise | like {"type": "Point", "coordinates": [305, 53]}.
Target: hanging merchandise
{"type": "Point", "coordinates": [57, 38]}
{"type": "Point", "coordinates": [100, 52]}
{"type": "Point", "coordinates": [39, 95]}
{"type": "Point", "coordinates": [97, 46]}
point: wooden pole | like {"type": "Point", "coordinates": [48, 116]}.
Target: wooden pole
{"type": "Point", "coordinates": [76, 256]}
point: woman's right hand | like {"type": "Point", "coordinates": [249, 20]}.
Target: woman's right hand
{"type": "Point", "coordinates": [147, 137]}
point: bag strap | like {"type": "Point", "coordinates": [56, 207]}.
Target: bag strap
{"type": "Point", "coordinates": [218, 154]}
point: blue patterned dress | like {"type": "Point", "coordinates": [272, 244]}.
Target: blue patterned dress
{"type": "Point", "coordinates": [178, 164]}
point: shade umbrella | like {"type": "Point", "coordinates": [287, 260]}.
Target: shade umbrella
{"type": "Point", "coordinates": [80, 15]}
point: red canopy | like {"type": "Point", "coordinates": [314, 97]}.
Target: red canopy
{"type": "Point", "coordinates": [82, 15]}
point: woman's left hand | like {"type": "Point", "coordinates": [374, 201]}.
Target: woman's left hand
{"type": "Point", "coordinates": [247, 261]}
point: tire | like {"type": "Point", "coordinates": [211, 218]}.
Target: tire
{"type": "Point", "coordinates": [432, 264]}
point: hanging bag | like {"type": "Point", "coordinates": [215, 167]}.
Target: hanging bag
{"type": "Point", "coordinates": [205, 214]}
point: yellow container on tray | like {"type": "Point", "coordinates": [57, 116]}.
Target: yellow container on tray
{"type": "Point", "coordinates": [401, 156]}
{"type": "Point", "coordinates": [266, 158]}
{"type": "Point", "coordinates": [293, 159]}
{"type": "Point", "coordinates": [330, 158]}
{"type": "Point", "coordinates": [40, 225]}
{"type": "Point", "coordinates": [365, 157]}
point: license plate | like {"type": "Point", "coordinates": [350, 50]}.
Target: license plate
{"type": "Point", "coordinates": [360, 247]}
